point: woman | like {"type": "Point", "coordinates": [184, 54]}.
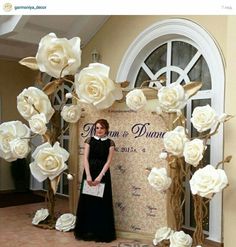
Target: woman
{"type": "Point", "coordinates": [95, 219]}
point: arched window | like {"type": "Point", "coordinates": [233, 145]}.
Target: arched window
{"type": "Point", "coordinates": [180, 50]}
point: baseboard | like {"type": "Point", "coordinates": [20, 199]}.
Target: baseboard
{"type": "Point", "coordinates": [6, 191]}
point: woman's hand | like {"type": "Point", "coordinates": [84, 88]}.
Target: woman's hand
{"type": "Point", "coordinates": [89, 180]}
{"type": "Point", "coordinates": [97, 181]}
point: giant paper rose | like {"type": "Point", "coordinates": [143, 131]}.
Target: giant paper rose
{"type": "Point", "coordinates": [37, 123]}
{"type": "Point", "coordinates": [203, 118]}
{"type": "Point", "coordinates": [65, 222]}
{"type": "Point", "coordinates": [162, 234]}
{"type": "Point", "coordinates": [158, 179]}
{"type": "Point", "coordinates": [55, 53]}
{"type": "Point", "coordinates": [94, 86]}
{"type": "Point", "coordinates": [40, 215]}
{"type": "Point", "coordinates": [180, 239]}
{"type": "Point", "coordinates": [193, 151]}
{"type": "Point", "coordinates": [14, 140]}
{"type": "Point", "coordinates": [174, 140]}
{"type": "Point", "coordinates": [32, 101]}
{"type": "Point", "coordinates": [71, 114]}
{"type": "Point", "coordinates": [19, 148]}
{"type": "Point", "coordinates": [172, 98]}
{"type": "Point", "coordinates": [49, 161]}
{"type": "Point", "coordinates": [136, 99]}
{"type": "Point", "coordinates": [207, 181]}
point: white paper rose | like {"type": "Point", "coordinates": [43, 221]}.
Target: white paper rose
{"type": "Point", "coordinates": [193, 151]}
{"type": "Point", "coordinates": [161, 234]}
{"type": "Point", "coordinates": [203, 118]}
{"type": "Point", "coordinates": [207, 181]}
{"type": "Point", "coordinates": [19, 148]}
{"type": "Point", "coordinates": [172, 97]}
{"type": "Point", "coordinates": [71, 114]}
{"type": "Point", "coordinates": [136, 99]}
{"type": "Point", "coordinates": [37, 124]}
{"type": "Point", "coordinates": [32, 101]}
{"type": "Point", "coordinates": [49, 161]}
{"type": "Point", "coordinates": [65, 222]}
{"type": "Point", "coordinates": [93, 86]}
{"type": "Point", "coordinates": [175, 140]}
{"type": "Point", "coordinates": [55, 53]}
{"type": "Point", "coordinates": [40, 215]}
{"type": "Point", "coordinates": [180, 239]}
{"type": "Point", "coordinates": [158, 179]}
{"type": "Point", "coordinates": [12, 142]}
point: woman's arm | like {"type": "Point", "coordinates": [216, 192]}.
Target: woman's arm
{"type": "Point", "coordinates": [86, 164]}
{"type": "Point", "coordinates": [106, 166]}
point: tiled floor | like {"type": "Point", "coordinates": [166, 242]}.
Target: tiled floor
{"type": "Point", "coordinates": [16, 230]}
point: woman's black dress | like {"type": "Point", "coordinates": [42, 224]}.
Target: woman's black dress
{"type": "Point", "coordinates": [95, 219]}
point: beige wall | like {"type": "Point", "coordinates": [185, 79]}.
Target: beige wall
{"type": "Point", "coordinates": [114, 39]}
{"type": "Point", "coordinates": [117, 34]}
{"type": "Point", "coordinates": [14, 78]}
{"type": "Point", "coordinates": [230, 136]}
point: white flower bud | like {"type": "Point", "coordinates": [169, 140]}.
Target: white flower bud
{"type": "Point", "coordinates": [158, 110]}
{"type": "Point", "coordinates": [222, 118]}
{"type": "Point", "coordinates": [69, 95]}
{"type": "Point", "coordinates": [70, 177]}
{"type": "Point", "coordinates": [163, 155]}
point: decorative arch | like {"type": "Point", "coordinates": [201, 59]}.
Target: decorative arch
{"type": "Point", "coordinates": [191, 32]}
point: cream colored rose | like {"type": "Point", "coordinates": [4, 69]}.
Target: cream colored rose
{"type": "Point", "coordinates": [55, 53]}
{"type": "Point", "coordinates": [207, 181]}
{"type": "Point", "coordinates": [180, 239]}
{"type": "Point", "coordinates": [136, 99]}
{"type": "Point", "coordinates": [193, 151]}
{"type": "Point", "coordinates": [19, 148]}
{"type": "Point", "coordinates": [65, 222]}
{"type": "Point", "coordinates": [93, 86]}
{"type": "Point", "coordinates": [172, 97]}
{"type": "Point", "coordinates": [37, 124]}
{"type": "Point", "coordinates": [40, 215]}
{"type": "Point", "coordinates": [203, 118]}
{"type": "Point", "coordinates": [175, 140]}
{"type": "Point", "coordinates": [71, 114]}
{"type": "Point", "coordinates": [11, 136]}
{"type": "Point", "coordinates": [32, 101]}
{"type": "Point", "coordinates": [158, 179]}
{"type": "Point", "coordinates": [162, 234]}
{"type": "Point", "coordinates": [49, 161]}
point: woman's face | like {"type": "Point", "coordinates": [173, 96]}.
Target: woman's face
{"type": "Point", "coordinates": [100, 130]}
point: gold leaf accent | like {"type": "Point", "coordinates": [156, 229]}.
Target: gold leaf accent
{"type": "Point", "coordinates": [47, 136]}
{"type": "Point", "coordinates": [29, 62]}
{"type": "Point", "coordinates": [54, 183]}
{"type": "Point", "coordinates": [192, 88]}
{"type": "Point", "coordinates": [51, 87]}
{"type": "Point", "coordinates": [124, 84]}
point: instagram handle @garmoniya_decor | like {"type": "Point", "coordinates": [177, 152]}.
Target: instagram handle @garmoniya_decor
{"type": "Point", "coordinates": [60, 58]}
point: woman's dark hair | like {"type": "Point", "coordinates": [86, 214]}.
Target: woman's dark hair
{"type": "Point", "coordinates": [103, 123]}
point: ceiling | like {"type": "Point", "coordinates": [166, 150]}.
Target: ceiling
{"type": "Point", "coordinates": [20, 35]}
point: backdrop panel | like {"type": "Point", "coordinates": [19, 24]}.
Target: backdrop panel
{"type": "Point", "coordinates": [138, 207]}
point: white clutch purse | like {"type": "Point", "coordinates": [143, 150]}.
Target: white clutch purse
{"type": "Point", "coordinates": [97, 190]}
